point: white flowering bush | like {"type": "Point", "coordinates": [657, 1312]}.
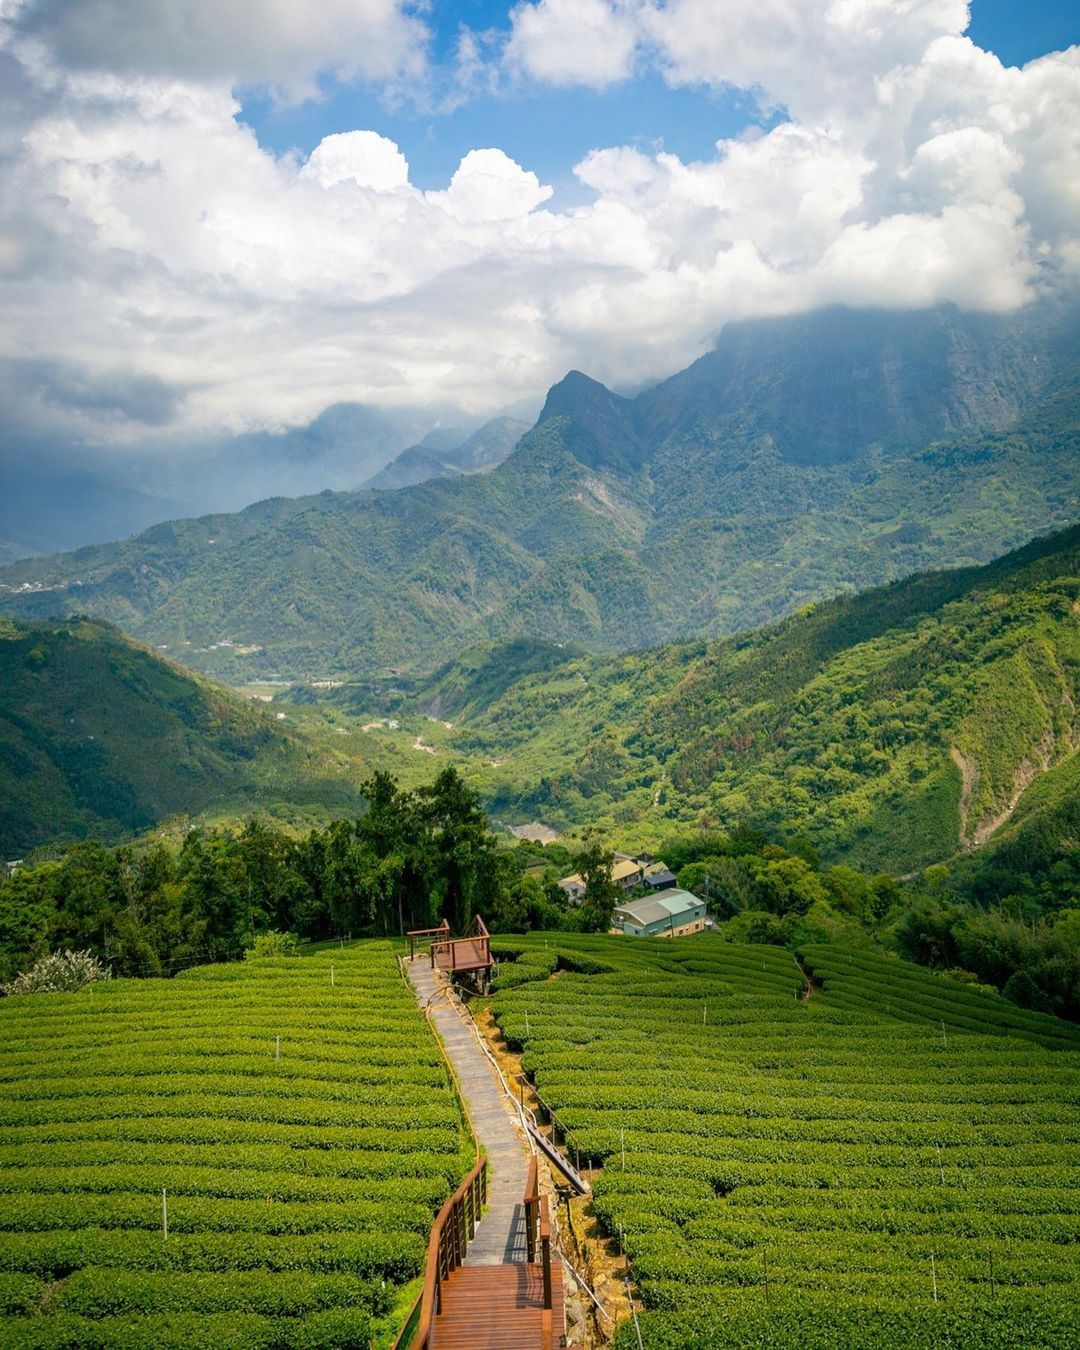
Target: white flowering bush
{"type": "Point", "coordinates": [60, 973]}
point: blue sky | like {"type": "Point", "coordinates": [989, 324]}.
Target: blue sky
{"type": "Point", "coordinates": [549, 130]}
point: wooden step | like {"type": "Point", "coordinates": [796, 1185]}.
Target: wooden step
{"type": "Point", "coordinates": [499, 1308]}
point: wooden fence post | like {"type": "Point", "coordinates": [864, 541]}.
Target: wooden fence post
{"type": "Point", "coordinates": [545, 1251]}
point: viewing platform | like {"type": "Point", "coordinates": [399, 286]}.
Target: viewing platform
{"type": "Point", "coordinates": [455, 955]}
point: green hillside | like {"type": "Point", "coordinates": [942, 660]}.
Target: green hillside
{"type": "Point", "coordinates": [802, 458]}
{"type": "Point", "coordinates": [889, 1161]}
{"type": "Point", "coordinates": [1034, 854]}
{"type": "Point", "coordinates": [893, 728]}
{"type": "Point", "coordinates": [101, 737]}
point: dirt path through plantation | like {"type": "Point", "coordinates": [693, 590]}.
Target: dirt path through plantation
{"type": "Point", "coordinates": [810, 988]}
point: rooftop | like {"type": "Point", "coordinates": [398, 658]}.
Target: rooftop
{"type": "Point", "coordinates": [671, 904]}
{"type": "Point", "coordinates": [625, 867]}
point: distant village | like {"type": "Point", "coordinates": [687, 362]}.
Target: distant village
{"type": "Point", "coordinates": [655, 906]}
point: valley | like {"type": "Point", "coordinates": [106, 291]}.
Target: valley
{"type": "Point", "coordinates": [846, 723]}
{"type": "Point", "coordinates": [820, 658]}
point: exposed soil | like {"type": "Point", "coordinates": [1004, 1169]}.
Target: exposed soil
{"type": "Point", "coordinates": [969, 778]}
{"type": "Point", "coordinates": [1027, 771]}
{"type": "Point", "coordinates": [809, 987]}
{"type": "Point", "coordinates": [536, 830]}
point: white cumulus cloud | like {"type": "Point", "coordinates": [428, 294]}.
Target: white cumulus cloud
{"type": "Point", "coordinates": [489, 185]}
{"type": "Point", "coordinates": [361, 157]}
{"type": "Point", "coordinates": [144, 230]}
{"type": "Point", "coordinates": [589, 42]}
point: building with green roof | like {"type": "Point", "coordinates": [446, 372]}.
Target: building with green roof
{"type": "Point", "coordinates": [670, 913]}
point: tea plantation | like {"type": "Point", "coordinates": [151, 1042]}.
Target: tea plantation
{"type": "Point", "coordinates": [304, 1132]}
{"type": "Point", "coordinates": [891, 1161]}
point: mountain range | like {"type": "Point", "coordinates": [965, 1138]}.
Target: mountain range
{"type": "Point", "coordinates": [443, 456]}
{"type": "Point", "coordinates": [802, 457]}
{"type": "Point", "coordinates": [56, 498]}
{"type": "Point", "coordinates": [894, 729]}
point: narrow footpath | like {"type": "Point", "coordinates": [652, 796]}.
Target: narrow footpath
{"type": "Point", "coordinates": [500, 1236]}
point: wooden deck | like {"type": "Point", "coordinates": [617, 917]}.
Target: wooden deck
{"type": "Point", "coordinates": [499, 1308]}
{"type": "Point", "coordinates": [462, 954]}
{"type": "Point", "coordinates": [468, 953]}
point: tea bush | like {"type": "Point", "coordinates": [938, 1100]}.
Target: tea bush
{"type": "Point", "coordinates": [891, 1161]}
{"type": "Point", "coordinates": [303, 1129]}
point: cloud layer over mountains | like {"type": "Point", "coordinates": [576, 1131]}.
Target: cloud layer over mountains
{"type": "Point", "coordinates": [159, 268]}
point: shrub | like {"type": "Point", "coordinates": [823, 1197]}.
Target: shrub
{"type": "Point", "coordinates": [270, 946]}
{"type": "Point", "coordinates": [60, 973]}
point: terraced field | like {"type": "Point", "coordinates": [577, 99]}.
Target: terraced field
{"type": "Point", "coordinates": [304, 1133]}
{"type": "Point", "coordinates": [893, 1161]}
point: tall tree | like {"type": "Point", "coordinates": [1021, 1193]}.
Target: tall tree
{"type": "Point", "coordinates": [466, 873]}
{"type": "Point", "coordinates": [594, 864]}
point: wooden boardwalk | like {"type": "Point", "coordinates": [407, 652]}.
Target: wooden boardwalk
{"type": "Point", "coordinates": [501, 1235]}
{"type": "Point", "coordinates": [495, 1299]}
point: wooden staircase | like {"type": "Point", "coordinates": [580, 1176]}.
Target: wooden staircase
{"type": "Point", "coordinates": [516, 1305]}
{"type": "Point", "coordinates": [503, 1291]}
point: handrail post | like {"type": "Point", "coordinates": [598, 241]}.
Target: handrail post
{"type": "Point", "coordinates": [545, 1250]}
{"type": "Point", "coordinates": [532, 1216]}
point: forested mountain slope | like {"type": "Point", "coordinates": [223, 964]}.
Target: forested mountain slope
{"type": "Point", "coordinates": [895, 728]}
{"type": "Point", "coordinates": [486, 448]}
{"type": "Point", "coordinates": [802, 458]}
{"type": "Point", "coordinates": [100, 737]}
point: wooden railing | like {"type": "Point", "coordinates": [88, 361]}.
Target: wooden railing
{"type": "Point", "coordinates": [538, 1230]}
{"type": "Point", "coordinates": [451, 1234]}
{"type": "Point", "coordinates": [468, 952]}
{"type": "Point", "coordinates": [416, 935]}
